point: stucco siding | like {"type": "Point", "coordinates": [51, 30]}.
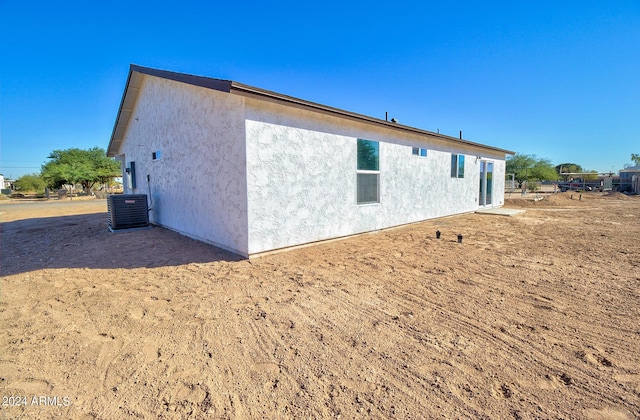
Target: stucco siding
{"type": "Point", "coordinates": [297, 190]}
{"type": "Point", "coordinates": [301, 175]}
{"type": "Point", "coordinates": [198, 184]}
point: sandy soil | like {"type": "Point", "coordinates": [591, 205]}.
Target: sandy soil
{"type": "Point", "coordinates": [532, 316]}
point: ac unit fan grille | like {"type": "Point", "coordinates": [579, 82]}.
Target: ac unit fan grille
{"type": "Point", "coordinates": [127, 211]}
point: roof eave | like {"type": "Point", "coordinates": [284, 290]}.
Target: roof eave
{"type": "Point", "coordinates": [132, 88]}
{"type": "Point", "coordinates": [274, 96]}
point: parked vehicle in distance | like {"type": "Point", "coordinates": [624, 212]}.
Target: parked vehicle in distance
{"type": "Point", "coordinates": [579, 184]}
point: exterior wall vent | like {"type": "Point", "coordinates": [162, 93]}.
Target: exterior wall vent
{"type": "Point", "coordinates": [127, 211]}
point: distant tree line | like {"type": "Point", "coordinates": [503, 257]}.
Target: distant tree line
{"type": "Point", "coordinates": [71, 167]}
{"type": "Point", "coordinates": [528, 169]}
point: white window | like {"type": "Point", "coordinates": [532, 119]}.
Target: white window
{"type": "Point", "coordinates": [419, 151]}
{"type": "Point", "coordinates": [457, 166]}
{"type": "Point", "coordinates": [368, 172]}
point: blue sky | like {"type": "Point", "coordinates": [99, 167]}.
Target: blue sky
{"type": "Point", "coordinates": [558, 79]}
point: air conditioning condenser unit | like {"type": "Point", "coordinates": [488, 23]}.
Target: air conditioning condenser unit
{"type": "Point", "coordinates": [127, 211]}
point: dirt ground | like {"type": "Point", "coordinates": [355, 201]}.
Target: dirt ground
{"type": "Point", "coordinates": [532, 316]}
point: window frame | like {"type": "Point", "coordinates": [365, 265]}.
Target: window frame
{"type": "Point", "coordinates": [419, 152]}
{"type": "Point", "coordinates": [457, 165]}
{"type": "Point", "coordinates": [363, 169]}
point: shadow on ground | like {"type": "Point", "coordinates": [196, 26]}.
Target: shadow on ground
{"type": "Point", "coordinates": [84, 241]}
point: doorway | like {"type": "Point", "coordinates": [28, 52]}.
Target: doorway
{"type": "Point", "coordinates": [486, 184]}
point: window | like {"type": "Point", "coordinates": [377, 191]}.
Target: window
{"type": "Point", "coordinates": [368, 188]}
{"type": "Point", "coordinates": [457, 166]}
{"type": "Point", "coordinates": [156, 155]}
{"type": "Point", "coordinates": [419, 151]}
{"type": "Point", "coordinates": [368, 172]}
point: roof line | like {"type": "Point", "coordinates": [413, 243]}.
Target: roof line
{"type": "Point", "coordinates": [206, 82]}
{"type": "Point", "coordinates": [229, 86]}
{"type": "Point", "coordinates": [242, 88]}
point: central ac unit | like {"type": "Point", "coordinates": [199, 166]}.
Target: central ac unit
{"type": "Point", "coordinates": [127, 211]}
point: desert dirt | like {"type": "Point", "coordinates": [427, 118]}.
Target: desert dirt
{"type": "Point", "coordinates": [531, 316]}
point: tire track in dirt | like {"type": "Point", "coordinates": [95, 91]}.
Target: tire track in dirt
{"type": "Point", "coordinates": [306, 370]}
{"type": "Point", "coordinates": [367, 314]}
{"type": "Point", "coordinates": [343, 341]}
{"type": "Point", "coordinates": [536, 293]}
{"type": "Point", "coordinates": [531, 355]}
{"type": "Point", "coordinates": [398, 365]}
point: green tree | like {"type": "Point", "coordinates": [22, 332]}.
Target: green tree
{"type": "Point", "coordinates": [530, 168]}
{"type": "Point", "coordinates": [635, 158]}
{"type": "Point", "coordinates": [32, 183]}
{"type": "Point", "coordinates": [543, 170]}
{"type": "Point", "coordinates": [564, 168]}
{"type": "Point", "coordinates": [78, 166]}
{"type": "Point", "coordinates": [520, 165]}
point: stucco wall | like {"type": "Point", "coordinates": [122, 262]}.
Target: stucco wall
{"type": "Point", "coordinates": [499, 176]}
{"type": "Point", "coordinates": [293, 181]}
{"type": "Point", "coordinates": [198, 185]}
{"type": "Point", "coordinates": [301, 174]}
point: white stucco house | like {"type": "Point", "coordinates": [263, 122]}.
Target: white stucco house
{"type": "Point", "coordinates": [252, 171]}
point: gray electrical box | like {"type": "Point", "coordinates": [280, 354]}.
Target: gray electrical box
{"type": "Point", "coordinates": [127, 211]}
